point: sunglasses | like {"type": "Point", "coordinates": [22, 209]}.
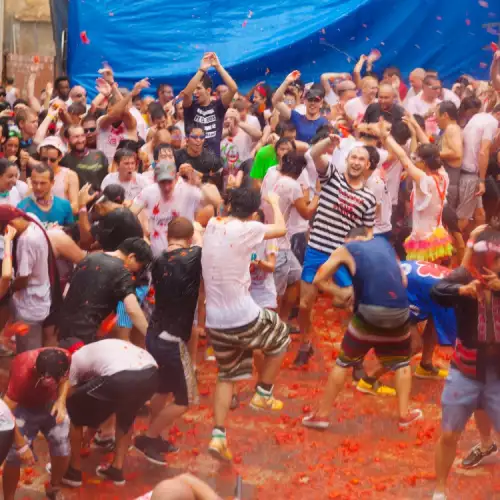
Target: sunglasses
{"type": "Point", "coordinates": [46, 159]}
{"type": "Point", "coordinates": [313, 99]}
{"type": "Point", "coordinates": [90, 130]}
{"type": "Point", "coordinates": [194, 136]}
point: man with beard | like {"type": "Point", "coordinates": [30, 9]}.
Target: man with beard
{"type": "Point", "coordinates": [91, 166]}
{"type": "Point", "coordinates": [386, 107]}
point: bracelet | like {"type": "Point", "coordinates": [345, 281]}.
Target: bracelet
{"type": "Point", "coordinates": [202, 70]}
{"type": "Point", "coordinates": [83, 210]}
{"type": "Point", "coordinates": [23, 449]}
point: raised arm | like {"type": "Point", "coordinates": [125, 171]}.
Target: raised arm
{"type": "Point", "coordinates": [495, 71]}
{"type": "Point", "coordinates": [187, 93]}
{"type": "Point", "coordinates": [319, 149]}
{"type": "Point", "coordinates": [279, 95]}
{"type": "Point", "coordinates": [227, 79]}
{"type": "Point", "coordinates": [356, 74]}
{"type": "Point", "coordinates": [326, 78]}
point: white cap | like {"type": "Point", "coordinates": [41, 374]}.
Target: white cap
{"type": "Point", "coordinates": [53, 142]}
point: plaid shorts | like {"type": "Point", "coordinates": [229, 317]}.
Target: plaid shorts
{"type": "Point", "coordinates": [392, 346]}
{"type": "Point", "coordinates": [234, 347]}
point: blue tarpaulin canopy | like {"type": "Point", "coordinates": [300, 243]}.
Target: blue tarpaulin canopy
{"type": "Point", "coordinates": [262, 40]}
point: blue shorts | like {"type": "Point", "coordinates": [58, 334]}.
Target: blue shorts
{"type": "Point", "coordinates": [462, 396]}
{"type": "Point", "coordinates": [122, 318]}
{"type": "Point", "coordinates": [313, 260]}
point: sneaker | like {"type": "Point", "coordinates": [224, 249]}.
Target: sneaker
{"type": "Point", "coordinates": [235, 402]}
{"type": "Point", "coordinates": [314, 422]}
{"type": "Point", "coordinates": [218, 448]}
{"type": "Point", "coordinates": [109, 473]}
{"type": "Point", "coordinates": [210, 354]}
{"type": "Point", "coordinates": [53, 493]}
{"type": "Point", "coordinates": [149, 447]}
{"type": "Point", "coordinates": [303, 356]}
{"type": "Point", "coordinates": [166, 446]}
{"type": "Point", "coordinates": [434, 374]}
{"type": "Point", "coordinates": [413, 416]}
{"type": "Point", "coordinates": [104, 444]}
{"type": "Point", "coordinates": [265, 402]}
{"type": "Point", "coordinates": [72, 477]}
{"type": "Point", "coordinates": [376, 389]}
{"type": "Point", "coordinates": [476, 455]}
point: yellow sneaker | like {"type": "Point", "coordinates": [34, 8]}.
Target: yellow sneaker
{"type": "Point", "coordinates": [376, 389]}
{"type": "Point", "coordinates": [434, 374]}
{"type": "Point", "coordinates": [210, 354]}
{"type": "Point", "coordinates": [218, 448]}
{"type": "Point", "coordinates": [260, 402]}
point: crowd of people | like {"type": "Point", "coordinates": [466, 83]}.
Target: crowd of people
{"type": "Point", "coordinates": [134, 224]}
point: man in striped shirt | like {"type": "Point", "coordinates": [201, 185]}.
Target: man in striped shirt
{"type": "Point", "coordinates": [344, 203]}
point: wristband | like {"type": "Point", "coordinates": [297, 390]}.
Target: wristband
{"type": "Point", "coordinates": [202, 70]}
{"type": "Point", "coordinates": [23, 449]}
{"type": "Point", "coordinates": [470, 243]}
{"type": "Point", "coordinates": [83, 210]}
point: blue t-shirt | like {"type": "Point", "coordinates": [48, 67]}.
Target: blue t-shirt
{"type": "Point", "coordinates": [422, 276]}
{"type": "Point", "coordinates": [378, 280]}
{"type": "Point", "coordinates": [306, 129]}
{"type": "Point", "coordinates": [60, 211]}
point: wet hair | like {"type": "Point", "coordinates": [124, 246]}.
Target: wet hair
{"type": "Point", "coordinates": [429, 79]}
{"type": "Point", "coordinates": [392, 70]}
{"type": "Point", "coordinates": [52, 362]}
{"type": "Point", "coordinates": [89, 117]}
{"type": "Point", "coordinates": [4, 165]}
{"type": "Point", "coordinates": [449, 108]}
{"type": "Point", "coordinates": [244, 202]}
{"type": "Point", "coordinates": [192, 127]}
{"type": "Point", "coordinates": [293, 164]}
{"type": "Point", "coordinates": [469, 102]}
{"type": "Point", "coordinates": [180, 228]}
{"type": "Point", "coordinates": [463, 80]}
{"type": "Point", "coordinates": [4, 129]}
{"type": "Point", "coordinates": [284, 140]}
{"type": "Point", "coordinates": [374, 156]}
{"type": "Point", "coordinates": [159, 148]}
{"type": "Point", "coordinates": [420, 120]}
{"type": "Point", "coordinates": [9, 80]}
{"type": "Point", "coordinates": [356, 232]}
{"type": "Point", "coordinates": [77, 108]}
{"type": "Point", "coordinates": [429, 153]}
{"type": "Point", "coordinates": [23, 114]}
{"type": "Point", "coordinates": [69, 129]}
{"type": "Point", "coordinates": [59, 80]}
{"type": "Point", "coordinates": [173, 128]}
{"type": "Point", "coordinates": [131, 144]}
{"type": "Point", "coordinates": [401, 132]}
{"type": "Point", "coordinates": [41, 168]}
{"type": "Point", "coordinates": [207, 82]}
{"type": "Point", "coordinates": [285, 127]}
{"type": "Point", "coordinates": [261, 215]}
{"type": "Point", "coordinates": [122, 153]}
{"type": "Point", "coordinates": [139, 248]}
{"type": "Point", "coordinates": [161, 87]}
{"type": "Point", "coordinates": [322, 133]}
{"type": "Point", "coordinates": [157, 113]}
{"type": "Point", "coordinates": [21, 101]}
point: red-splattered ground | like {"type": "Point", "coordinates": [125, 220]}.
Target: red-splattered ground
{"type": "Point", "coordinates": [362, 455]}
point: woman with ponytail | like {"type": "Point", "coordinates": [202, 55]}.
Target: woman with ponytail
{"type": "Point", "coordinates": [36, 289]}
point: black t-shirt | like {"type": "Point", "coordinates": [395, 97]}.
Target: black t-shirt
{"type": "Point", "coordinates": [91, 168]}
{"type": "Point", "coordinates": [176, 279]}
{"type": "Point", "coordinates": [373, 113]}
{"type": "Point", "coordinates": [211, 119]}
{"type": "Point", "coordinates": [207, 164]}
{"type": "Point", "coordinates": [114, 228]}
{"type": "Point", "coordinates": [99, 282]}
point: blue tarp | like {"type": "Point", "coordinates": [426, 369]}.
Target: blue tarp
{"type": "Point", "coordinates": [262, 40]}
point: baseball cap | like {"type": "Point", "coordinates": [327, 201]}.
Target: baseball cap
{"type": "Point", "coordinates": [315, 90]}
{"type": "Point", "coordinates": [165, 171]}
{"type": "Point", "coordinates": [112, 192]}
{"type": "Point", "coordinates": [53, 142]}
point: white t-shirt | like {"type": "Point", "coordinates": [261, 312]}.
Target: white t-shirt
{"type": "Point", "coordinates": [355, 109]}
{"type": "Point", "coordinates": [228, 245]}
{"type": "Point", "coordinates": [132, 188]}
{"type": "Point", "coordinates": [379, 188]}
{"type": "Point", "coordinates": [289, 191]}
{"type": "Point", "coordinates": [13, 198]}
{"type": "Point", "coordinates": [253, 121]}
{"type": "Point", "coordinates": [142, 128]}
{"type": "Point", "coordinates": [109, 138]}
{"type": "Point", "coordinates": [32, 253]}
{"type": "Point", "coordinates": [481, 127]}
{"type": "Point", "coordinates": [6, 419]}
{"type": "Point", "coordinates": [22, 187]}
{"type": "Point", "coordinates": [331, 98]}
{"type": "Point", "coordinates": [263, 287]}
{"type": "Point", "coordinates": [392, 175]}
{"type": "Point", "coordinates": [184, 202]}
{"type": "Point", "coordinates": [107, 357]}
{"type": "Point", "coordinates": [417, 106]}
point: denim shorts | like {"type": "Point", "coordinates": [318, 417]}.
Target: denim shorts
{"type": "Point", "coordinates": [32, 421]}
{"type": "Point", "coordinates": [462, 396]}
